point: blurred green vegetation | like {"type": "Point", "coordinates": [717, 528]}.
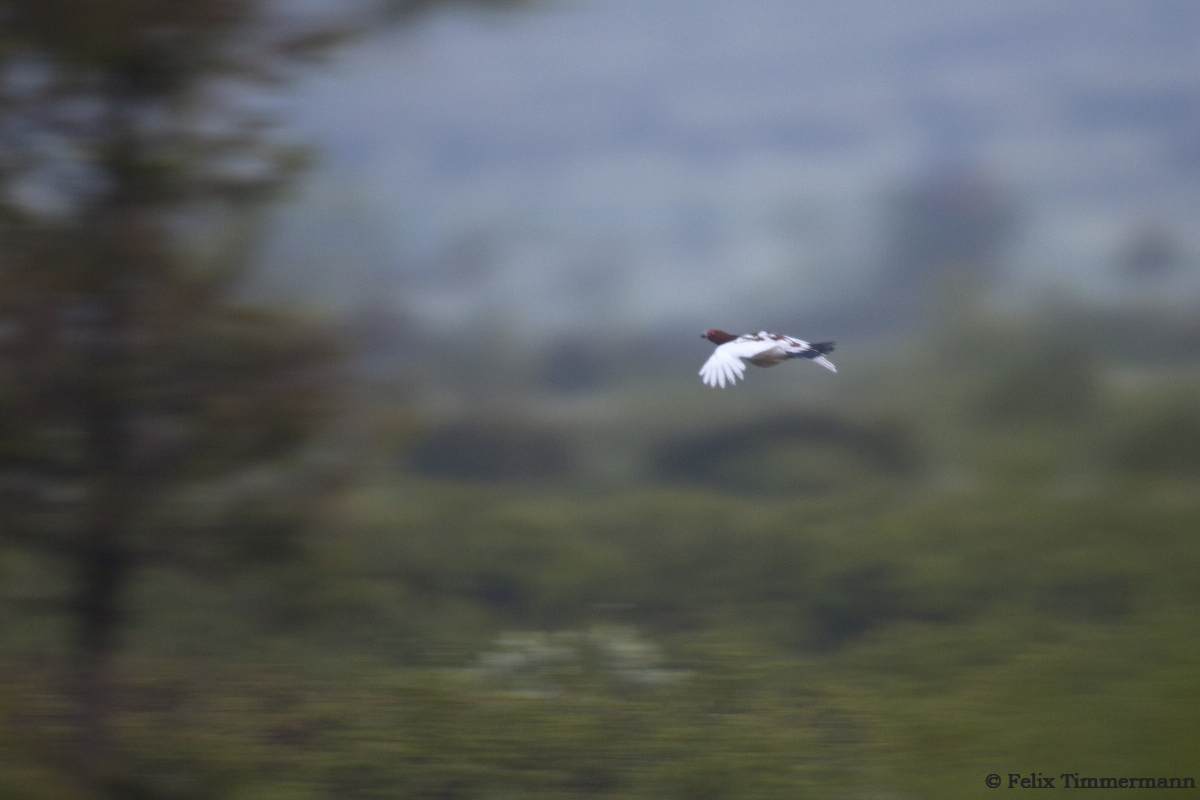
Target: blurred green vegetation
{"type": "Point", "coordinates": [892, 591]}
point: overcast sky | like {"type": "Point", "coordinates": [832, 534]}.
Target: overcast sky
{"type": "Point", "coordinates": [708, 149]}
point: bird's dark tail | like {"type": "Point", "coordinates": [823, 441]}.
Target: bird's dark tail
{"type": "Point", "coordinates": [814, 350]}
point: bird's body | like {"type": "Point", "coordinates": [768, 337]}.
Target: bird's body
{"type": "Point", "coordinates": [762, 349]}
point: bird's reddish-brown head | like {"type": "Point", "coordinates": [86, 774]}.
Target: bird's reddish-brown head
{"type": "Point", "coordinates": [717, 337]}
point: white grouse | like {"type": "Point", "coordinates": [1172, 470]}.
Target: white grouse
{"type": "Point", "coordinates": [761, 349]}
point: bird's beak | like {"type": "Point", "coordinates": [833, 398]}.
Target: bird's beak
{"type": "Point", "coordinates": [704, 336]}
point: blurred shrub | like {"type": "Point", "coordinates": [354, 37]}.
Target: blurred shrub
{"type": "Point", "coordinates": [1163, 438]}
{"type": "Point", "coordinates": [790, 452]}
{"type": "Point", "coordinates": [262, 730]}
{"type": "Point", "coordinates": [1140, 334]}
{"type": "Point", "coordinates": [854, 599]}
{"type": "Point", "coordinates": [1100, 596]}
{"type": "Point", "coordinates": [526, 563]}
{"type": "Point", "coordinates": [574, 366]}
{"type": "Point", "coordinates": [491, 451]}
{"type": "Point", "coordinates": [1050, 380]}
{"type": "Point", "coordinates": [809, 629]}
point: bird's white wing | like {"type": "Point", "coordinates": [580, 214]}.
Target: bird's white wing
{"type": "Point", "coordinates": [725, 363]}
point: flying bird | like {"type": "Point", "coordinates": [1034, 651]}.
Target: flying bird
{"type": "Point", "coordinates": [761, 349]}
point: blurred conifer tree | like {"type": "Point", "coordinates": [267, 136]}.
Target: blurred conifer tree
{"type": "Point", "coordinates": [147, 417]}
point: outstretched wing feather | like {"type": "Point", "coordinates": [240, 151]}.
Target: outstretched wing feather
{"type": "Point", "coordinates": [725, 363]}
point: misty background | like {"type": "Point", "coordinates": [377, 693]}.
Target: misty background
{"type": "Point", "coordinates": [352, 443]}
{"type": "Point", "coordinates": [612, 169]}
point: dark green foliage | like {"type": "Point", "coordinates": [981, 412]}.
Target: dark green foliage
{"type": "Point", "coordinates": [805, 647]}
{"type": "Point", "coordinates": [451, 638]}
{"type": "Point", "coordinates": [491, 452]}
{"type": "Point", "coordinates": [1097, 596]}
{"type": "Point", "coordinates": [853, 600]}
{"type": "Point", "coordinates": [791, 452]}
{"type": "Point", "coordinates": [1048, 380]}
{"type": "Point", "coordinates": [1160, 438]}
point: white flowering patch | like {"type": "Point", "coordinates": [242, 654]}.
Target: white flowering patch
{"type": "Point", "coordinates": [541, 663]}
